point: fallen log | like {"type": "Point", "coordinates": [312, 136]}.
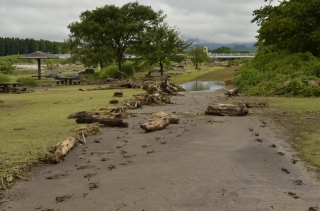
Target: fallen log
{"type": "Point", "coordinates": [103, 121]}
{"type": "Point", "coordinates": [61, 151]}
{"type": "Point", "coordinates": [233, 92]}
{"type": "Point", "coordinates": [158, 124]}
{"type": "Point", "coordinates": [82, 114]}
{"type": "Point", "coordinates": [173, 119]}
{"type": "Point", "coordinates": [227, 110]}
{"type": "Point", "coordinates": [256, 104]}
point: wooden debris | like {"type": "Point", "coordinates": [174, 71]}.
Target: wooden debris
{"type": "Point", "coordinates": [233, 92]}
{"type": "Point", "coordinates": [118, 94]}
{"type": "Point", "coordinates": [58, 153]}
{"type": "Point", "coordinates": [82, 114]}
{"type": "Point", "coordinates": [153, 99]}
{"type": "Point", "coordinates": [173, 119]}
{"type": "Point", "coordinates": [227, 110]}
{"type": "Point", "coordinates": [114, 101]}
{"type": "Point", "coordinates": [169, 87]}
{"type": "Point", "coordinates": [134, 104]}
{"type": "Point", "coordinates": [252, 104]}
{"type": "Point", "coordinates": [158, 124]}
{"type": "Point", "coordinates": [127, 83]}
{"type": "Point", "coordinates": [103, 121]}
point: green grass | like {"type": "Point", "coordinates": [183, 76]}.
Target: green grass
{"type": "Point", "coordinates": [30, 122]}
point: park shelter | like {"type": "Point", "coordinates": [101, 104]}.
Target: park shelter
{"type": "Point", "coordinates": [39, 55]}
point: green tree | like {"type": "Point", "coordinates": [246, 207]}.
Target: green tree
{"type": "Point", "coordinates": [162, 44]}
{"type": "Point", "coordinates": [222, 49]}
{"type": "Point", "coordinates": [112, 31]}
{"type": "Point", "coordinates": [292, 25]}
{"type": "Point", "coordinates": [198, 55]}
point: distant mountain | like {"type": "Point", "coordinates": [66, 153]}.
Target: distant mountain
{"type": "Point", "coordinates": [240, 48]}
{"type": "Point", "coordinates": [234, 46]}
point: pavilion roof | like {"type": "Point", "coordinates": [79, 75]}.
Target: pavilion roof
{"type": "Point", "coordinates": [39, 55]}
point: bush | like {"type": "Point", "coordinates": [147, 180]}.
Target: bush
{"type": "Point", "coordinates": [6, 67]}
{"type": "Point", "coordinates": [4, 78]}
{"type": "Point", "coordinates": [112, 71]}
{"type": "Point", "coordinates": [279, 73]}
{"type": "Point", "coordinates": [26, 81]}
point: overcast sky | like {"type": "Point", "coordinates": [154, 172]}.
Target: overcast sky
{"type": "Point", "coordinates": [219, 21]}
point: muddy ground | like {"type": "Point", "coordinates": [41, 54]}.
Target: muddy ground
{"type": "Point", "coordinates": [202, 163]}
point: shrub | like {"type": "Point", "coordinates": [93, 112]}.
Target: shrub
{"type": "Point", "coordinates": [112, 71]}
{"type": "Point", "coordinates": [4, 78]}
{"type": "Point", "coordinates": [6, 67]}
{"type": "Point", "coordinates": [279, 73]}
{"type": "Point", "coordinates": [26, 81]}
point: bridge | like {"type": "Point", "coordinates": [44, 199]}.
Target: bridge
{"type": "Point", "coordinates": [231, 55]}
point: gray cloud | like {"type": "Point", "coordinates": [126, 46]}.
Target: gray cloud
{"type": "Point", "coordinates": [220, 21]}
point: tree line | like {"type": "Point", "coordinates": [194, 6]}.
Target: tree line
{"type": "Point", "coordinates": [14, 46]}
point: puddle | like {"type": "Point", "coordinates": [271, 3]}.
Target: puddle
{"type": "Point", "coordinates": [203, 85]}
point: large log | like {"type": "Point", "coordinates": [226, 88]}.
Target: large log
{"type": "Point", "coordinates": [173, 119]}
{"type": "Point", "coordinates": [104, 121]}
{"type": "Point", "coordinates": [61, 151]}
{"type": "Point", "coordinates": [227, 110]}
{"type": "Point", "coordinates": [155, 125]}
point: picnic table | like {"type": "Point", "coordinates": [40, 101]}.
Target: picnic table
{"type": "Point", "coordinates": [67, 80]}
{"type": "Point", "coordinates": [5, 85]}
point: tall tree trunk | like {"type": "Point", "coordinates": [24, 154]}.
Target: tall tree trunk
{"type": "Point", "coordinates": [161, 68]}
{"type": "Point", "coordinates": [120, 69]}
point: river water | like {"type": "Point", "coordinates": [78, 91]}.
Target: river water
{"type": "Point", "coordinates": [203, 85]}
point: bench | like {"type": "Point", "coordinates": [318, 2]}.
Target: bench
{"type": "Point", "coordinates": [5, 85]}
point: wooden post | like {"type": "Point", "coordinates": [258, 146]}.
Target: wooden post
{"type": "Point", "coordinates": [39, 69]}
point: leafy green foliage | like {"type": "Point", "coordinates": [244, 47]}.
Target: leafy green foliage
{"type": "Point", "coordinates": [6, 66]}
{"type": "Point", "coordinates": [160, 45]}
{"type": "Point", "coordinates": [4, 78]}
{"type": "Point", "coordinates": [112, 71]}
{"type": "Point", "coordinates": [198, 55]}
{"type": "Point", "coordinates": [279, 73]}
{"type": "Point", "coordinates": [27, 81]}
{"type": "Point", "coordinates": [292, 25]}
{"type": "Point", "coordinates": [110, 33]}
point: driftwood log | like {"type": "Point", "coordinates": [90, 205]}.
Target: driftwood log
{"type": "Point", "coordinates": [233, 92]}
{"type": "Point", "coordinates": [173, 119]}
{"type": "Point", "coordinates": [61, 151]}
{"type": "Point", "coordinates": [158, 124]}
{"type": "Point", "coordinates": [169, 88]}
{"type": "Point", "coordinates": [256, 104]}
{"type": "Point", "coordinates": [104, 121]}
{"type": "Point", "coordinates": [227, 110]}
{"type": "Point", "coordinates": [81, 114]}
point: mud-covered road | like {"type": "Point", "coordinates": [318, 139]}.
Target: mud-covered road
{"type": "Point", "coordinates": [202, 163]}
